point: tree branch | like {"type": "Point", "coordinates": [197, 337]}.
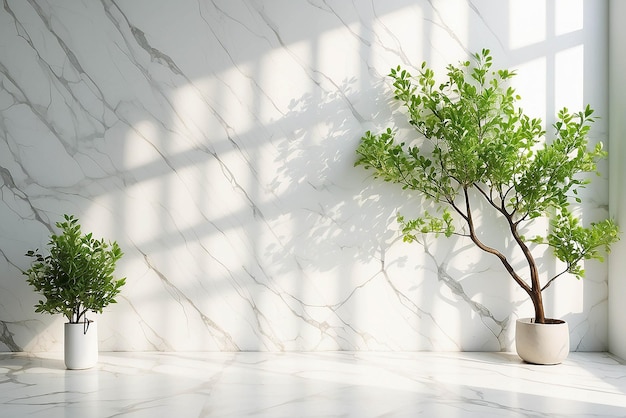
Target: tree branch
{"type": "Point", "coordinates": [553, 279]}
{"type": "Point", "coordinates": [490, 250]}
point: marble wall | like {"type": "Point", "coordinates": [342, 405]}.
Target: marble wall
{"type": "Point", "coordinates": [617, 175]}
{"type": "Point", "coordinates": [214, 140]}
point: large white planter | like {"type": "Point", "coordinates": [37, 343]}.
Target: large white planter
{"type": "Point", "coordinates": [81, 345]}
{"type": "Point", "coordinates": [541, 343]}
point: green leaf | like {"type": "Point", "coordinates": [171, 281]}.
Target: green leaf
{"type": "Point", "coordinates": [77, 275]}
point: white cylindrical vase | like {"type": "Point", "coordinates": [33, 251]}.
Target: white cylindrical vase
{"type": "Point", "coordinates": [542, 343]}
{"type": "Point", "coordinates": [81, 345]}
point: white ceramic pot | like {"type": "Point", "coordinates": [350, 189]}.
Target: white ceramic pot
{"type": "Point", "coordinates": [81, 345]}
{"type": "Point", "coordinates": [541, 343]}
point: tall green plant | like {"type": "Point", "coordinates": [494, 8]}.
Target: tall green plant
{"type": "Point", "coordinates": [477, 145]}
{"type": "Point", "coordinates": [77, 275]}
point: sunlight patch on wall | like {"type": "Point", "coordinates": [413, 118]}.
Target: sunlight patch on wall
{"type": "Point", "coordinates": [389, 50]}
{"type": "Point", "coordinates": [286, 76]}
{"type": "Point", "coordinates": [143, 221]}
{"type": "Point", "coordinates": [450, 30]}
{"type": "Point", "coordinates": [569, 83]}
{"type": "Point", "coordinates": [224, 194]}
{"type": "Point", "coordinates": [139, 151]}
{"type": "Point", "coordinates": [527, 24]}
{"type": "Point", "coordinates": [232, 95]}
{"type": "Point", "coordinates": [338, 52]}
{"type": "Point", "coordinates": [558, 306]}
{"type": "Point", "coordinates": [530, 84]}
{"type": "Point", "coordinates": [568, 16]}
{"type": "Point", "coordinates": [192, 113]}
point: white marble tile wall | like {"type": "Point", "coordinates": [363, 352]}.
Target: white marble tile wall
{"type": "Point", "coordinates": [617, 185]}
{"type": "Point", "coordinates": [214, 140]}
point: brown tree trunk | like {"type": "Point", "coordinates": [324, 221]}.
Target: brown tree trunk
{"type": "Point", "coordinates": [537, 299]}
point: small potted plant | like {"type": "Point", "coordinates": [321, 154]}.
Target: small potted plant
{"type": "Point", "coordinates": [475, 147]}
{"type": "Point", "coordinates": [75, 278]}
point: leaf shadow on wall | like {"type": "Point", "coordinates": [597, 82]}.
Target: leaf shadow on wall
{"type": "Point", "coordinates": [352, 246]}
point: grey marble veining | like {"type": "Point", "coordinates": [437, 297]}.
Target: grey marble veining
{"type": "Point", "coordinates": [350, 384]}
{"type": "Point", "coordinates": [214, 140]}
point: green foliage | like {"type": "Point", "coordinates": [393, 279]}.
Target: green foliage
{"type": "Point", "coordinates": [77, 275]}
{"type": "Point", "coordinates": [474, 143]}
{"type": "Point", "coordinates": [573, 243]}
{"type": "Point", "coordinates": [427, 224]}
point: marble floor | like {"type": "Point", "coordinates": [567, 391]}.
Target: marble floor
{"type": "Point", "coordinates": [326, 384]}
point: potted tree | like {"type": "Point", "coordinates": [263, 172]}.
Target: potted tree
{"type": "Point", "coordinates": [475, 147]}
{"type": "Point", "coordinates": [75, 278]}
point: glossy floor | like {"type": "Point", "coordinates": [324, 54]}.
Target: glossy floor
{"type": "Point", "coordinates": [327, 384]}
